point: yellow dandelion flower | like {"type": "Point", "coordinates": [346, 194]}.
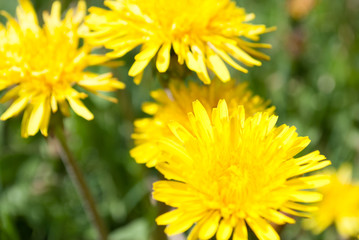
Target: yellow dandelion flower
{"type": "Point", "coordinates": [340, 205]}
{"type": "Point", "coordinates": [202, 33]}
{"type": "Point", "coordinates": [177, 102]}
{"type": "Point", "coordinates": [228, 171]}
{"type": "Point", "coordinates": [39, 67]}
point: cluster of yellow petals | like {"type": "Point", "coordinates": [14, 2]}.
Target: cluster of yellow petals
{"type": "Point", "coordinates": [204, 34]}
{"type": "Point", "coordinates": [226, 163]}
{"type": "Point", "coordinates": [176, 102]}
{"type": "Point", "coordinates": [40, 66]}
{"type": "Point", "coordinates": [340, 205]}
{"type": "Point", "coordinates": [226, 171]}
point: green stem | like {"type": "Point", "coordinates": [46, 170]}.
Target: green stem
{"type": "Point", "coordinates": [78, 180]}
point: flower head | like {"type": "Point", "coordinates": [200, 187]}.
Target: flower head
{"type": "Point", "coordinates": [202, 33]}
{"type": "Point", "coordinates": [340, 205]}
{"type": "Point", "coordinates": [40, 66]}
{"type": "Point", "coordinates": [177, 102]}
{"type": "Point", "coordinates": [227, 171]}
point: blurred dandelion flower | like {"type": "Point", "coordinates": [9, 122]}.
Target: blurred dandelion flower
{"type": "Point", "coordinates": [300, 8]}
{"type": "Point", "coordinates": [340, 205]}
{"type": "Point", "coordinates": [203, 34]}
{"type": "Point", "coordinates": [40, 66]}
{"type": "Point", "coordinates": [177, 102]}
{"type": "Point", "coordinates": [228, 171]}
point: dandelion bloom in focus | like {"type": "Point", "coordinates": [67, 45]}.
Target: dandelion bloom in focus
{"type": "Point", "coordinates": [340, 205]}
{"type": "Point", "coordinates": [202, 33]}
{"type": "Point", "coordinates": [176, 102]}
{"type": "Point", "coordinates": [227, 171]}
{"type": "Point", "coordinates": [40, 66]}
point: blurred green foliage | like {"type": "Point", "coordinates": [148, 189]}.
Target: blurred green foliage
{"type": "Point", "coordinates": [312, 79]}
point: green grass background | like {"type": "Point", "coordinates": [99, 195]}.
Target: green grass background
{"type": "Point", "coordinates": [312, 79]}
